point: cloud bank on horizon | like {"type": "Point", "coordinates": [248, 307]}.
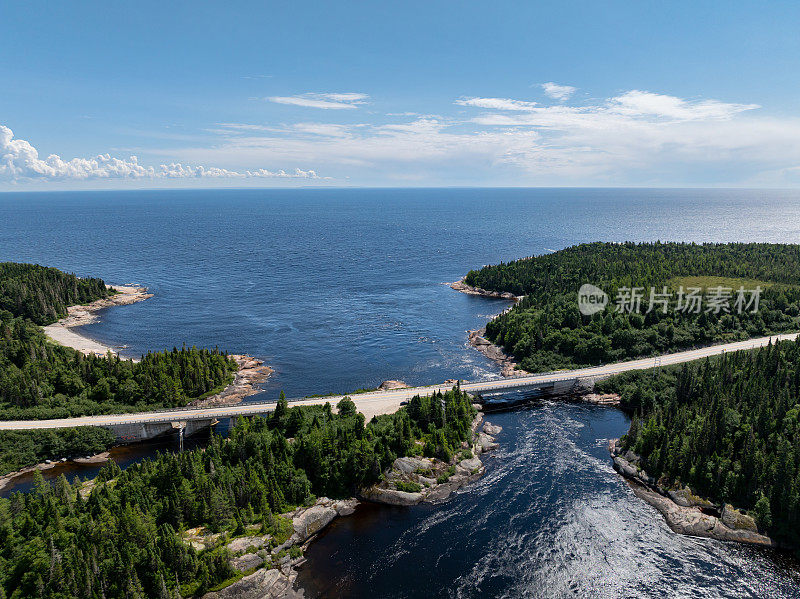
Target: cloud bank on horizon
{"type": "Point", "coordinates": [20, 161]}
{"type": "Point", "coordinates": [635, 137]}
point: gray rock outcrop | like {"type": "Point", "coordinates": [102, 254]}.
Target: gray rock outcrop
{"type": "Point", "coordinates": [312, 520]}
{"type": "Point", "coordinates": [262, 584]}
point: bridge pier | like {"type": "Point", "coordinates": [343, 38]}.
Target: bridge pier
{"type": "Point", "coordinates": [145, 431]}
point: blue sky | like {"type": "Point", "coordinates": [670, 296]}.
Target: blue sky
{"type": "Point", "coordinates": [145, 94]}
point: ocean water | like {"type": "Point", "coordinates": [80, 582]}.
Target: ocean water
{"type": "Point", "coordinates": [342, 289]}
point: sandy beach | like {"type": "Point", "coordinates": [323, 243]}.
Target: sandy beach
{"type": "Point", "coordinates": [61, 332]}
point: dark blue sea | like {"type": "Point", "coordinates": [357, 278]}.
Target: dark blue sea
{"type": "Point", "coordinates": [342, 289]}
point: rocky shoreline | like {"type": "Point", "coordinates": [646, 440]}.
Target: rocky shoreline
{"type": "Point", "coordinates": [469, 290]}
{"type": "Point", "coordinates": [508, 366]}
{"type": "Point", "coordinates": [250, 374]}
{"type": "Point", "coordinates": [270, 569]}
{"type": "Point", "coordinates": [603, 399]}
{"type": "Point", "coordinates": [412, 480]}
{"type": "Point", "coordinates": [684, 512]}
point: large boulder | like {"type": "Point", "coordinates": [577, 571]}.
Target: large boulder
{"type": "Point", "coordinates": [312, 520]}
{"type": "Point", "coordinates": [485, 442]}
{"type": "Point", "coordinates": [684, 497]}
{"type": "Point", "coordinates": [410, 464]}
{"type": "Point", "coordinates": [471, 464]}
{"type": "Point", "coordinates": [246, 562]}
{"type": "Point", "coordinates": [244, 543]}
{"type": "Point", "coordinates": [389, 385]}
{"type": "Point", "coordinates": [345, 507]}
{"type": "Point", "coordinates": [392, 496]}
{"type": "Point", "coordinates": [491, 429]}
{"type": "Point", "coordinates": [733, 518]}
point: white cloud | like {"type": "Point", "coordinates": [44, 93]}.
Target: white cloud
{"type": "Point", "coordinates": [639, 103]}
{"type": "Point", "coordinates": [328, 101]}
{"type": "Point", "coordinates": [19, 160]}
{"type": "Point", "coordinates": [636, 137]}
{"type": "Point", "coordinates": [633, 138]}
{"type": "Point", "coordinates": [558, 92]}
{"type": "Point", "coordinates": [497, 103]}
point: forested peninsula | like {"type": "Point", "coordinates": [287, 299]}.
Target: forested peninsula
{"type": "Point", "coordinates": [39, 379]}
{"type": "Point", "coordinates": [546, 331]}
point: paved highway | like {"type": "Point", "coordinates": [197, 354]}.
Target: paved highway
{"type": "Point", "coordinates": [384, 402]}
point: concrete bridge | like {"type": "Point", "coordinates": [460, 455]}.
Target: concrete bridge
{"type": "Point", "coordinates": [147, 425]}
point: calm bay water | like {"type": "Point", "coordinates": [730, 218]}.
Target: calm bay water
{"type": "Point", "coordinates": [341, 289]}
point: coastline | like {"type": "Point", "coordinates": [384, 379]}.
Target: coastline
{"type": "Point", "coordinates": [252, 553]}
{"type": "Point", "coordinates": [684, 512]}
{"type": "Point", "coordinates": [462, 287]}
{"type": "Point", "coordinates": [250, 373]}
{"type": "Point", "coordinates": [60, 332]}
{"type": "Point", "coordinates": [508, 366]}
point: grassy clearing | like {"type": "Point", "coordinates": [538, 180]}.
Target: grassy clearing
{"type": "Point", "coordinates": [706, 283]}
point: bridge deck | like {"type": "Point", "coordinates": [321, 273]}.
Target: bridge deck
{"type": "Point", "coordinates": [384, 402]}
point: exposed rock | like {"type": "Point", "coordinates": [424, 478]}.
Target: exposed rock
{"type": "Point", "coordinates": [478, 417]}
{"type": "Point", "coordinates": [508, 365]}
{"type": "Point", "coordinates": [312, 520]}
{"type": "Point", "coordinates": [693, 521]}
{"type": "Point", "coordinates": [602, 399]}
{"type": "Point", "coordinates": [246, 562]}
{"type": "Point", "coordinates": [345, 507]}
{"type": "Point", "coordinates": [262, 584]}
{"type": "Point", "coordinates": [443, 491]}
{"type": "Point", "coordinates": [411, 464]}
{"type": "Point", "coordinates": [391, 496]}
{"type": "Point", "coordinates": [437, 479]}
{"type": "Point", "coordinates": [244, 543]}
{"type": "Point", "coordinates": [471, 464]}
{"type": "Point", "coordinates": [491, 429]}
{"type": "Point", "coordinates": [469, 290]}
{"type": "Point", "coordinates": [735, 519]}
{"type": "Point", "coordinates": [251, 372]}
{"type": "Point", "coordinates": [389, 385]}
{"type": "Point", "coordinates": [687, 517]}
{"type": "Point", "coordinates": [686, 498]}
{"type": "Point", "coordinates": [485, 442]}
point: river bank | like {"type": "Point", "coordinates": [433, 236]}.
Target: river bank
{"type": "Point", "coordinates": [80, 315]}
{"type": "Point", "coordinates": [269, 566]}
{"type": "Point", "coordinates": [684, 512]}
{"type": "Point", "coordinates": [10, 478]}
